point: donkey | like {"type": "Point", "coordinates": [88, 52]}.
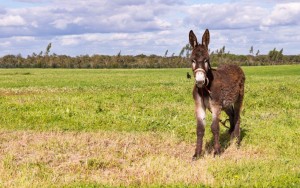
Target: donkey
{"type": "Point", "coordinates": [215, 90]}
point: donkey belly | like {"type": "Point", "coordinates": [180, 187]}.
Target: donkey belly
{"type": "Point", "coordinates": [229, 97]}
{"type": "Point", "coordinates": [224, 101]}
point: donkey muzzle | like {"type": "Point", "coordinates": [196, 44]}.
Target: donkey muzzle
{"type": "Point", "coordinates": [200, 77]}
{"type": "Point", "coordinates": [200, 84]}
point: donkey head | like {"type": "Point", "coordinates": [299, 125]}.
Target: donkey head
{"type": "Point", "coordinates": [200, 58]}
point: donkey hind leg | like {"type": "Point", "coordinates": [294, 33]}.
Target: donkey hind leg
{"type": "Point", "coordinates": [215, 128]}
{"type": "Point", "coordinates": [230, 112]}
{"type": "Point", "coordinates": [237, 110]}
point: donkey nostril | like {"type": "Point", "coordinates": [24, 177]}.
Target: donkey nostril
{"type": "Point", "coordinates": [200, 82]}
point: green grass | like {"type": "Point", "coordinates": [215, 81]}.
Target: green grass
{"type": "Point", "coordinates": [151, 106]}
{"type": "Point", "coordinates": [120, 100]}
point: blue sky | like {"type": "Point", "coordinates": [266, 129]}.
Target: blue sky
{"type": "Point", "coordinates": [134, 27]}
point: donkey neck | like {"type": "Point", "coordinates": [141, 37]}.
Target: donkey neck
{"type": "Point", "coordinates": [203, 92]}
{"type": "Point", "coordinates": [210, 77]}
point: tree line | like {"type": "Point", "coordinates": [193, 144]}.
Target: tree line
{"type": "Point", "coordinates": [220, 56]}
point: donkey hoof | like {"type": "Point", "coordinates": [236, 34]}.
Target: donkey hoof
{"type": "Point", "coordinates": [234, 139]}
{"type": "Point", "coordinates": [230, 132]}
{"type": "Point", "coordinates": [196, 157]}
{"type": "Point", "coordinates": [217, 153]}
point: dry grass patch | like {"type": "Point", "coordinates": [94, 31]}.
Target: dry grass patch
{"type": "Point", "coordinates": [32, 90]}
{"type": "Point", "coordinates": [55, 158]}
{"type": "Point", "coordinates": [33, 159]}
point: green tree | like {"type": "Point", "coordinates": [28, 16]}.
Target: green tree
{"type": "Point", "coordinates": [257, 53]}
{"type": "Point", "coordinates": [48, 49]}
{"type": "Point", "coordinates": [251, 50]}
{"type": "Point", "coordinates": [166, 53]}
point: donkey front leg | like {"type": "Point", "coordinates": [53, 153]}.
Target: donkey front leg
{"type": "Point", "coordinates": [200, 134]}
{"type": "Point", "coordinates": [200, 116]}
{"type": "Point", "coordinates": [215, 128]}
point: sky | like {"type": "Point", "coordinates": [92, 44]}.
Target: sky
{"type": "Point", "coordinates": [133, 27]}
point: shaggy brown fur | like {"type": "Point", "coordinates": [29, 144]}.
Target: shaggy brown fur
{"type": "Point", "coordinates": [222, 89]}
{"type": "Point", "coordinates": [228, 85]}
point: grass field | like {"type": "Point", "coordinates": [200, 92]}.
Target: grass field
{"type": "Point", "coordinates": [94, 128]}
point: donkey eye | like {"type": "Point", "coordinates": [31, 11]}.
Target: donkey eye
{"type": "Point", "coordinates": [206, 61]}
{"type": "Point", "coordinates": [206, 64]}
{"type": "Point", "coordinates": [194, 65]}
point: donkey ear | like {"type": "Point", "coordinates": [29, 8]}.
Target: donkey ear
{"type": "Point", "coordinates": [193, 39]}
{"type": "Point", "coordinates": [206, 38]}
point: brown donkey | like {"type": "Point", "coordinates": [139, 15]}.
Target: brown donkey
{"type": "Point", "coordinates": [215, 90]}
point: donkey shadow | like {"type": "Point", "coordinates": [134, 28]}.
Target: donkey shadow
{"type": "Point", "coordinates": [224, 141]}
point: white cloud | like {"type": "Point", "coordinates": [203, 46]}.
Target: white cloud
{"type": "Point", "coordinates": [5, 44]}
{"type": "Point", "coordinates": [60, 23]}
{"type": "Point", "coordinates": [225, 16]}
{"type": "Point", "coordinates": [23, 38]}
{"type": "Point", "coordinates": [69, 40]}
{"type": "Point", "coordinates": [11, 20]}
{"type": "Point", "coordinates": [284, 14]}
{"type": "Point", "coordinates": [63, 23]}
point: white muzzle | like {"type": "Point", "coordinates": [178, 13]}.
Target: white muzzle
{"type": "Point", "coordinates": [200, 77]}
